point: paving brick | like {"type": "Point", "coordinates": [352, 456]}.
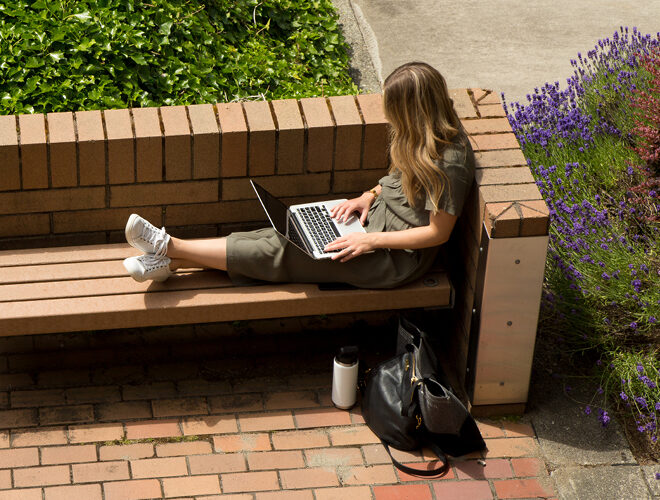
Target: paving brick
{"type": "Point", "coordinates": [334, 457]}
{"type": "Point", "coordinates": [34, 155]}
{"type": "Point", "coordinates": [275, 460]}
{"type": "Point", "coordinates": [508, 192]}
{"type": "Point", "coordinates": [404, 492]}
{"type": "Point", "coordinates": [159, 467]}
{"type": "Point", "coordinates": [292, 440]}
{"type": "Point", "coordinates": [22, 494]}
{"type": "Point", "coordinates": [234, 136]}
{"type": "Point", "coordinates": [217, 463]}
{"type": "Point", "coordinates": [155, 390]}
{"type": "Point", "coordinates": [501, 158]}
{"type": "Point", "coordinates": [512, 175]}
{"type": "Point", "coordinates": [404, 477]}
{"type": "Point", "coordinates": [279, 185]}
{"type": "Point", "coordinates": [241, 442]}
{"type": "Point", "coordinates": [286, 495]}
{"type": "Point", "coordinates": [250, 481]}
{"type": "Point", "coordinates": [348, 141]}
{"type": "Point", "coordinates": [5, 479]}
{"type": "Point", "coordinates": [121, 146]}
{"type": "Point", "coordinates": [62, 145]}
{"type": "Point", "coordinates": [491, 142]}
{"type": "Point", "coordinates": [213, 424]}
{"type": "Point", "coordinates": [494, 468]}
{"type": "Point", "coordinates": [91, 147]}
{"type": "Point", "coordinates": [103, 471]}
{"type": "Point", "coordinates": [95, 433]}
{"type": "Point", "coordinates": [321, 417]}
{"type": "Point", "coordinates": [51, 200]}
{"type": "Point", "coordinates": [48, 397]}
{"type": "Point", "coordinates": [376, 131]}
{"type": "Point", "coordinates": [261, 156]}
{"type": "Point", "coordinates": [41, 436]}
{"type": "Point", "coordinates": [4, 439]}
{"type": "Point", "coordinates": [62, 378]}
{"type": "Point", "coordinates": [206, 141]}
{"type": "Point", "coordinates": [125, 410]}
{"type": "Point", "coordinates": [462, 490]}
{"type": "Point", "coordinates": [212, 213]}
{"type": "Point", "coordinates": [313, 477]}
{"type": "Point", "coordinates": [291, 399]}
{"type": "Point", "coordinates": [528, 467]}
{"type": "Point", "coordinates": [93, 394]}
{"type": "Point", "coordinates": [10, 173]}
{"type": "Point", "coordinates": [198, 485]}
{"type": "Point", "coordinates": [352, 435]}
{"type": "Point", "coordinates": [372, 474]}
{"type": "Point", "coordinates": [355, 181]}
{"type": "Point", "coordinates": [486, 126]}
{"type": "Point", "coordinates": [143, 489]}
{"type": "Point", "coordinates": [41, 476]}
{"type": "Point", "coordinates": [342, 493]}
{"type": "Point", "coordinates": [182, 449]}
{"type": "Point", "coordinates": [522, 488]}
{"type": "Point", "coordinates": [246, 496]}
{"type": "Point", "coordinates": [511, 447]}
{"type": "Point", "coordinates": [491, 110]}
{"type": "Point", "coordinates": [179, 407]}
{"type": "Point", "coordinates": [320, 134]}
{"type": "Point", "coordinates": [178, 151]}
{"type": "Point", "coordinates": [53, 455]}
{"type": "Point", "coordinates": [66, 414]}
{"type": "Point", "coordinates": [87, 492]}
{"type": "Point", "coordinates": [290, 136]}
{"type": "Point", "coordinates": [23, 457]}
{"type": "Point", "coordinates": [462, 103]}
{"type": "Point", "coordinates": [148, 144]}
{"type": "Point", "coordinates": [163, 194]}
{"type": "Point", "coordinates": [126, 451]}
{"type": "Point", "coordinates": [152, 429]}
{"type": "Point", "coordinates": [252, 422]}
{"type": "Point", "coordinates": [535, 218]}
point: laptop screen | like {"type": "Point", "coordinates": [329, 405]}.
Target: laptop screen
{"type": "Point", "coordinates": [275, 209]}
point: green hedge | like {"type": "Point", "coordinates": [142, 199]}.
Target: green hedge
{"type": "Point", "coordinates": [80, 55]}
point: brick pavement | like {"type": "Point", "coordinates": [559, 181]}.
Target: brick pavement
{"type": "Point", "coordinates": [153, 414]}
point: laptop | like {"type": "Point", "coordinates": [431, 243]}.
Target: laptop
{"type": "Point", "coordinates": [308, 226]}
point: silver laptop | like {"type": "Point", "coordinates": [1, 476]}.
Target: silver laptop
{"type": "Point", "coordinates": [308, 225]}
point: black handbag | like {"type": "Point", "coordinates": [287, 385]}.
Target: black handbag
{"type": "Point", "coordinates": [408, 404]}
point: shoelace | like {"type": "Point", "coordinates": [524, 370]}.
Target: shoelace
{"type": "Point", "coordinates": [157, 237]}
{"type": "Point", "coordinates": [152, 261]}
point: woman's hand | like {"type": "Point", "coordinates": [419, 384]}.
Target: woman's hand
{"type": "Point", "coordinates": [361, 205]}
{"type": "Point", "coordinates": [351, 245]}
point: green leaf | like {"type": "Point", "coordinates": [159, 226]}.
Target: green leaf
{"type": "Point", "coordinates": [165, 28]}
{"type": "Point", "coordinates": [56, 56]}
{"type": "Point", "coordinates": [139, 59]}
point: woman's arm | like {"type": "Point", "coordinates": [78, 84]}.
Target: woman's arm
{"type": "Point", "coordinates": [436, 233]}
{"type": "Point", "coordinates": [361, 205]}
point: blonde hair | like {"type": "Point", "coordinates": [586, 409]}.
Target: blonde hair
{"type": "Point", "coordinates": [417, 104]}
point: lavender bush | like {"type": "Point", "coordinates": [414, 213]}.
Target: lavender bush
{"type": "Point", "coordinates": [601, 287]}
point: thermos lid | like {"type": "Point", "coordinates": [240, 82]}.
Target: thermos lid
{"type": "Point", "coordinates": [347, 355]}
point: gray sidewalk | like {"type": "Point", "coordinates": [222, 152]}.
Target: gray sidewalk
{"type": "Point", "coordinates": [513, 47]}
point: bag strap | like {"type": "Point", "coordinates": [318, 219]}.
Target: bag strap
{"type": "Point", "coordinates": [439, 471]}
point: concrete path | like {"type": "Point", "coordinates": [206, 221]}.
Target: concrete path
{"type": "Point", "coordinates": [513, 47]}
{"type": "Point", "coordinates": [505, 45]}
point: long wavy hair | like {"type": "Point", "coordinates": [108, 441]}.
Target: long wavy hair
{"type": "Point", "coordinates": [417, 104]}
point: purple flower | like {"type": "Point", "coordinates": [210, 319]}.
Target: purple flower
{"type": "Point", "coordinates": [657, 474]}
{"type": "Point", "coordinates": [640, 368]}
{"type": "Point", "coordinates": [624, 396]}
{"type": "Point", "coordinates": [587, 410]}
{"type": "Point", "coordinates": [633, 325]}
{"type": "Point", "coordinates": [641, 401]}
{"type": "Point", "coordinates": [657, 406]}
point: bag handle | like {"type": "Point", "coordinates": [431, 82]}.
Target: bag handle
{"type": "Point", "coordinates": [439, 471]}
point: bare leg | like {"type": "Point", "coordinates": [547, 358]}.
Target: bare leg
{"type": "Point", "coordinates": [198, 253]}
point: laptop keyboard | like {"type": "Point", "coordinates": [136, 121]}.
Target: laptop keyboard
{"type": "Point", "coordinates": [319, 223]}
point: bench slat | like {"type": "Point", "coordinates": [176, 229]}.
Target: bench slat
{"type": "Point", "coordinates": [62, 272]}
{"type": "Point", "coordinates": [209, 305]}
{"type": "Point", "coordinates": [57, 255]}
{"type": "Point", "coordinates": [110, 286]}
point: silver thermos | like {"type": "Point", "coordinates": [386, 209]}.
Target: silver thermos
{"type": "Point", "coordinates": [344, 377]}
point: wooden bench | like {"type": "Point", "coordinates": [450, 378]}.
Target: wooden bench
{"type": "Point", "coordinates": [86, 288]}
{"type": "Point", "coordinates": [69, 181]}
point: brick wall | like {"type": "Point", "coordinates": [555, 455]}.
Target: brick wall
{"type": "Point", "coordinates": [73, 178]}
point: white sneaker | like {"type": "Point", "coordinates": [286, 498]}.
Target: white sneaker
{"type": "Point", "coordinates": [144, 236]}
{"type": "Point", "coordinates": [148, 267]}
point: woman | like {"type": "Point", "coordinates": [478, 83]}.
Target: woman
{"type": "Point", "coordinates": [407, 215]}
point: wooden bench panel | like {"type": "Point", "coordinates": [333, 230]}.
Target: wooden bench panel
{"type": "Point", "coordinates": [43, 292]}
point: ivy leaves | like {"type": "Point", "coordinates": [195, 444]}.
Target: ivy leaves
{"type": "Point", "coordinates": [74, 55]}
